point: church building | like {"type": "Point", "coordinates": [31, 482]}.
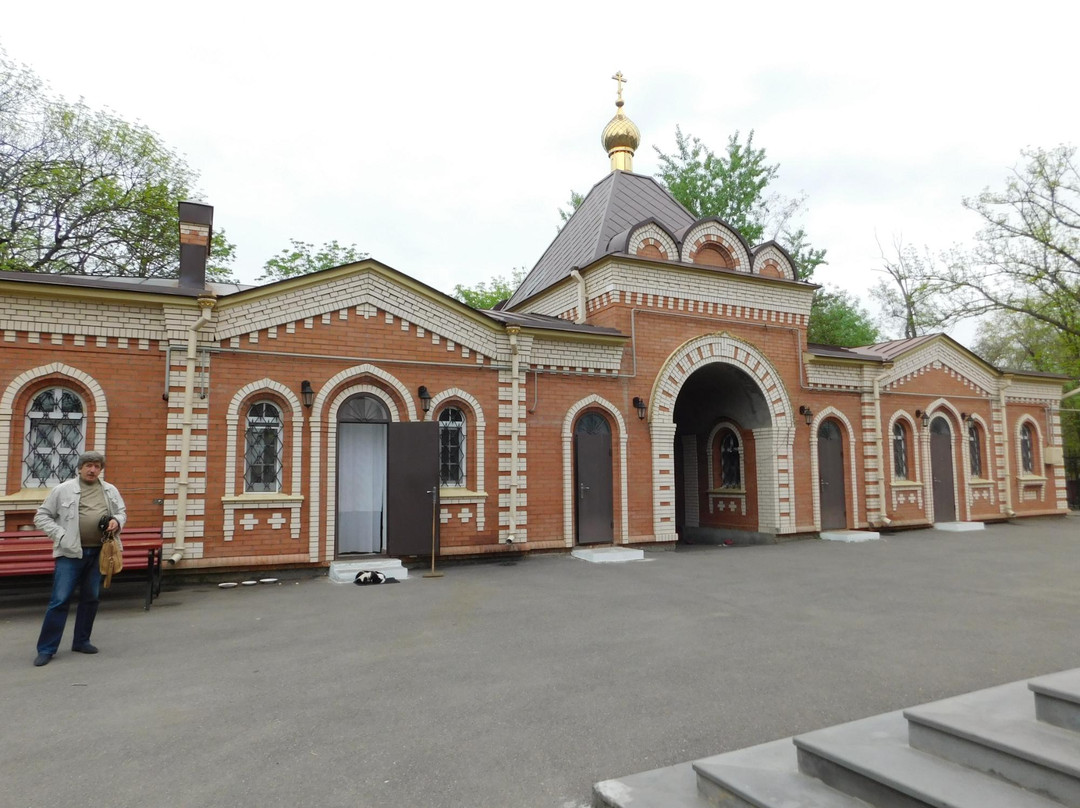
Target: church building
{"type": "Point", "coordinates": [649, 382]}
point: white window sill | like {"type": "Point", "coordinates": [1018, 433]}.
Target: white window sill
{"type": "Point", "coordinates": [456, 496]}
{"type": "Point", "coordinates": [250, 500]}
{"type": "Point", "coordinates": [906, 484]}
{"type": "Point", "coordinates": [27, 496]}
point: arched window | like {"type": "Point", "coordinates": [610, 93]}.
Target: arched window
{"type": "Point", "coordinates": [55, 437]}
{"type": "Point", "coordinates": [730, 460]}
{"type": "Point", "coordinates": [900, 451]}
{"type": "Point", "coordinates": [1027, 450]}
{"type": "Point", "coordinates": [975, 449]}
{"type": "Point", "coordinates": [452, 448]}
{"type": "Point", "coordinates": [264, 444]}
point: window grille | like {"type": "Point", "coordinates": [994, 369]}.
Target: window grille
{"type": "Point", "coordinates": [55, 437]}
{"type": "Point", "coordinates": [1027, 454]}
{"type": "Point", "coordinates": [975, 450]}
{"type": "Point", "coordinates": [264, 449]}
{"type": "Point", "coordinates": [452, 447]}
{"type": "Point", "coordinates": [900, 449]}
{"type": "Point", "coordinates": [730, 455]}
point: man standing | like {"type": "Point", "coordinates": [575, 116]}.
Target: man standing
{"type": "Point", "coordinates": [71, 516]}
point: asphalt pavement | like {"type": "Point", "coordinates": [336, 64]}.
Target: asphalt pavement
{"type": "Point", "coordinates": [517, 683]}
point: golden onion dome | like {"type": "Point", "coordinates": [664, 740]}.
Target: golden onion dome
{"type": "Point", "coordinates": [620, 137]}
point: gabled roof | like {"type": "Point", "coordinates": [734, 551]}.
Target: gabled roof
{"type": "Point", "coordinates": [616, 203]}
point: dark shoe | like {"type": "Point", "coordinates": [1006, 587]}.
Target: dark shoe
{"type": "Point", "coordinates": [42, 659]}
{"type": "Point", "coordinates": [85, 649]}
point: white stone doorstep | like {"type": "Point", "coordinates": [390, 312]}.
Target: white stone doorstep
{"type": "Point", "coordinates": [850, 535]}
{"type": "Point", "coordinates": [344, 572]}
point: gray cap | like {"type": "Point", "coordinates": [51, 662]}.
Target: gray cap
{"type": "Point", "coordinates": [91, 457]}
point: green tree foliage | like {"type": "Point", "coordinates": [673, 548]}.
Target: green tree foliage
{"type": "Point", "coordinates": [1027, 255]}
{"type": "Point", "coordinates": [303, 258]}
{"type": "Point", "coordinates": [486, 294]}
{"type": "Point", "coordinates": [1013, 341]}
{"type": "Point", "coordinates": [836, 318]}
{"type": "Point", "coordinates": [572, 205]}
{"type": "Point", "coordinates": [85, 192]}
{"type": "Point", "coordinates": [735, 187]}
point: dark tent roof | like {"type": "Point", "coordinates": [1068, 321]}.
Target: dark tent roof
{"type": "Point", "coordinates": [615, 204]}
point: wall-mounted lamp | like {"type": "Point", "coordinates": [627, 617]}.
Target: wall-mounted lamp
{"type": "Point", "coordinates": [306, 393]}
{"type": "Point", "coordinates": [807, 414]}
{"type": "Point", "coordinates": [425, 398]}
{"type": "Point", "coordinates": [641, 406]}
{"type": "Point", "coordinates": [925, 417]}
{"type": "Point", "coordinates": [968, 419]}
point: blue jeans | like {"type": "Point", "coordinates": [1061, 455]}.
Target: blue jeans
{"type": "Point", "coordinates": [70, 573]}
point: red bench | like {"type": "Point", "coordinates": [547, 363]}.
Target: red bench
{"type": "Point", "coordinates": [29, 552]}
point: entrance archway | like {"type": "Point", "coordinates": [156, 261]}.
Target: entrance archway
{"type": "Point", "coordinates": [712, 378]}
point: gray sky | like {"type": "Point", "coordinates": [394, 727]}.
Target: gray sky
{"type": "Point", "coordinates": [442, 137]}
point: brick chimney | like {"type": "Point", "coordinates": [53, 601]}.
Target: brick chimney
{"type": "Point", "coordinates": [196, 230]}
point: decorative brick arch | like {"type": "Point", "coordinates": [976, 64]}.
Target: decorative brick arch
{"type": "Point", "coordinates": [594, 402]}
{"type": "Point", "coordinates": [853, 486]}
{"type": "Point", "coordinates": [7, 401]}
{"type": "Point", "coordinates": [653, 235]}
{"type": "Point", "coordinates": [713, 231]}
{"type": "Point", "coordinates": [315, 424]}
{"type": "Point", "coordinates": [481, 424]}
{"type": "Point", "coordinates": [771, 257]}
{"type": "Point", "coordinates": [236, 501]}
{"type": "Point", "coordinates": [232, 421]}
{"type": "Point", "coordinates": [775, 468]}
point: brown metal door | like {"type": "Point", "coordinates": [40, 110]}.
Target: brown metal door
{"type": "Point", "coordinates": [941, 467]}
{"type": "Point", "coordinates": [831, 476]}
{"type": "Point", "coordinates": [594, 513]}
{"type": "Point", "coordinates": [412, 488]}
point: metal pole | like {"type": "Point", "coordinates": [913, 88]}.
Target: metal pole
{"type": "Point", "coordinates": [434, 515]}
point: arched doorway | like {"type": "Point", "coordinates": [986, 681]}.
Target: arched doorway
{"type": "Point", "coordinates": [830, 448]}
{"type": "Point", "coordinates": [941, 470]}
{"type": "Point", "coordinates": [721, 419]}
{"type": "Point", "coordinates": [593, 511]}
{"type": "Point", "coordinates": [361, 475]}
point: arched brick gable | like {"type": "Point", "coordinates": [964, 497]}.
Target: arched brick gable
{"type": "Point", "coordinates": [651, 238]}
{"type": "Point", "coordinates": [714, 234]}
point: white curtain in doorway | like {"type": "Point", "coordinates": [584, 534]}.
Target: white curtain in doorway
{"type": "Point", "coordinates": [361, 487]}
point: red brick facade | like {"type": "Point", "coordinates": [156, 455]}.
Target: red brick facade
{"type": "Point", "coordinates": [706, 350]}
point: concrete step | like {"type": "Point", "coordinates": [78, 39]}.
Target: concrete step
{"type": "Point", "coordinates": [608, 555]}
{"type": "Point", "coordinates": [995, 731]}
{"type": "Point", "coordinates": [344, 571]}
{"type": "Point", "coordinates": [765, 776]}
{"type": "Point", "coordinates": [871, 760]}
{"type": "Point", "coordinates": [1057, 699]}
{"type": "Point", "coordinates": [669, 787]}
{"type": "Point", "coordinates": [959, 527]}
{"type": "Point", "coordinates": [849, 535]}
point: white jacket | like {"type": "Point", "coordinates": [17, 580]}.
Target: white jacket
{"type": "Point", "coordinates": [58, 516]}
